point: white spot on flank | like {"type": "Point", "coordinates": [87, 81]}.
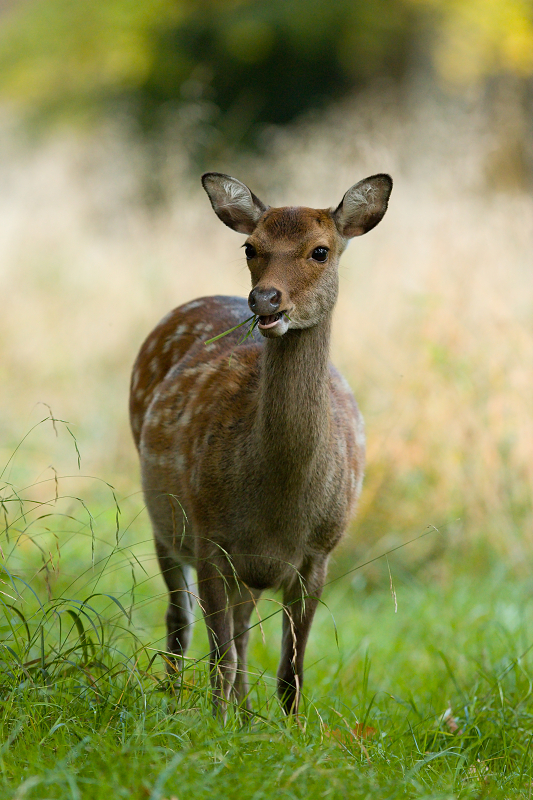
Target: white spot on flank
{"type": "Point", "coordinates": [153, 418]}
{"type": "Point", "coordinates": [192, 304]}
{"type": "Point", "coordinates": [167, 414]}
{"type": "Point", "coordinates": [180, 330]}
{"type": "Point", "coordinates": [185, 418]}
{"type": "Point", "coordinates": [191, 371]}
{"type": "Point", "coordinates": [205, 371]}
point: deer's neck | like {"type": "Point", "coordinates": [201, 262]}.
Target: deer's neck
{"type": "Point", "coordinates": [292, 425]}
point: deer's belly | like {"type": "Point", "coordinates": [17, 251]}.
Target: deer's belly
{"type": "Point", "coordinates": [266, 570]}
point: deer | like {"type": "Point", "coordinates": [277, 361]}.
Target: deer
{"type": "Point", "coordinates": [252, 449]}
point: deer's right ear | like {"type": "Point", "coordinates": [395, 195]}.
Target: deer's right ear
{"type": "Point", "coordinates": [233, 202]}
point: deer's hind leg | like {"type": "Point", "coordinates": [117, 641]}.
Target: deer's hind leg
{"type": "Point", "coordinates": [179, 617]}
{"type": "Point", "coordinates": [242, 610]}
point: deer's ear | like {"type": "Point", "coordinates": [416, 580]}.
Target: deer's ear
{"type": "Point", "coordinates": [233, 202]}
{"type": "Point", "coordinates": [363, 206]}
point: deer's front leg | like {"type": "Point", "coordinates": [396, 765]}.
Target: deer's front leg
{"type": "Point", "coordinates": [216, 590]}
{"type": "Point", "coordinates": [300, 601]}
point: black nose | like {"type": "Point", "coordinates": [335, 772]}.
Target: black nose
{"type": "Point", "coordinates": [264, 301]}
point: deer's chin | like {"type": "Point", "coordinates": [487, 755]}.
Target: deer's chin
{"type": "Point", "coordinates": [273, 326]}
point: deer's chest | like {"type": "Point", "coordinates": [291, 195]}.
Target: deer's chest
{"type": "Point", "coordinates": [268, 544]}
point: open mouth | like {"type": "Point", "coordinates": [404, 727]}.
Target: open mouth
{"type": "Point", "coordinates": [269, 321]}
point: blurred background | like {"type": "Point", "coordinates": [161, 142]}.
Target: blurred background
{"type": "Point", "coordinates": [109, 112]}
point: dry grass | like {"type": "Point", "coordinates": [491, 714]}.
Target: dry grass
{"type": "Point", "coordinates": [433, 327]}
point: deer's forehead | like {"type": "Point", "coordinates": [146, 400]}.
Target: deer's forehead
{"type": "Point", "coordinates": [295, 225]}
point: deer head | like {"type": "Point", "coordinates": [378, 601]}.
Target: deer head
{"type": "Point", "coordinates": [293, 252]}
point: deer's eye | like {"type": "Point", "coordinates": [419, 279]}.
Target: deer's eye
{"type": "Point", "coordinates": [320, 254]}
{"type": "Point", "coordinates": [250, 251]}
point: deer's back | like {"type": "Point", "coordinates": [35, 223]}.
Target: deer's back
{"type": "Point", "coordinates": [177, 345]}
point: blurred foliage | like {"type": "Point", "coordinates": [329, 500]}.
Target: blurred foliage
{"type": "Point", "coordinates": [227, 68]}
{"type": "Point", "coordinates": [474, 39]}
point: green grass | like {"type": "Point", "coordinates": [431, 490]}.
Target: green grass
{"type": "Point", "coordinates": [415, 687]}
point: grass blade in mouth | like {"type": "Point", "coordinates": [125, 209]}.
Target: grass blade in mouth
{"type": "Point", "coordinates": [230, 330]}
{"type": "Point", "coordinates": [251, 329]}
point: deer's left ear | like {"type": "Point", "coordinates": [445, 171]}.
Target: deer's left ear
{"type": "Point", "coordinates": [233, 202]}
{"type": "Point", "coordinates": [363, 206]}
